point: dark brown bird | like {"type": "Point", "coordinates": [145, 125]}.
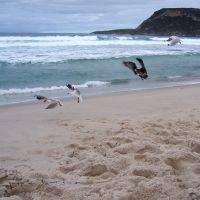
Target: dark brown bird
{"type": "Point", "coordinates": [141, 72]}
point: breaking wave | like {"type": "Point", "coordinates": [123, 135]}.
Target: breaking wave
{"type": "Point", "coordinates": [38, 89]}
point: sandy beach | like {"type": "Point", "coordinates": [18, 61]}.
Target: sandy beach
{"type": "Point", "coordinates": [142, 145]}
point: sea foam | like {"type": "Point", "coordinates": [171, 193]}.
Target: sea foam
{"type": "Point", "coordinates": [38, 89]}
{"type": "Point", "coordinates": [60, 48]}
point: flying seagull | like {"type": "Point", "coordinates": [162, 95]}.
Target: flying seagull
{"type": "Point", "coordinates": [52, 103]}
{"type": "Point", "coordinates": [75, 92]}
{"type": "Point", "coordinates": [173, 40]}
{"type": "Point", "coordinates": [141, 72]}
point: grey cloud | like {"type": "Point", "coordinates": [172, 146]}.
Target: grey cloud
{"type": "Point", "coordinates": [79, 15]}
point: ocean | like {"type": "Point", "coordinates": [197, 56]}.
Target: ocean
{"type": "Point", "coordinates": [43, 63]}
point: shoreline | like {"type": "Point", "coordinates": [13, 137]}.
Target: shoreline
{"type": "Point", "coordinates": [107, 92]}
{"type": "Point", "coordinates": [69, 98]}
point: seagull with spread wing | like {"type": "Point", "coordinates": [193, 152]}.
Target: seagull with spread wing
{"type": "Point", "coordinates": [75, 92]}
{"type": "Point", "coordinates": [52, 102]}
{"type": "Point", "coordinates": [141, 72]}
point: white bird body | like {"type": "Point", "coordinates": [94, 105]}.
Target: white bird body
{"type": "Point", "coordinates": [174, 40]}
{"type": "Point", "coordinates": [75, 92]}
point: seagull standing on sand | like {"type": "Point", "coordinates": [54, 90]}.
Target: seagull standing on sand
{"type": "Point", "coordinates": [75, 92]}
{"type": "Point", "coordinates": [53, 103]}
{"type": "Point", "coordinates": [173, 40]}
{"type": "Point", "coordinates": [142, 72]}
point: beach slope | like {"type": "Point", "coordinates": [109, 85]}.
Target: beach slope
{"type": "Point", "coordinates": [142, 145]}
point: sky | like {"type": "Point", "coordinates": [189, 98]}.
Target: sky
{"type": "Point", "coordinates": [79, 16]}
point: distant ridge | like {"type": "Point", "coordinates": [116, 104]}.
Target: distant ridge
{"type": "Point", "coordinates": [166, 21]}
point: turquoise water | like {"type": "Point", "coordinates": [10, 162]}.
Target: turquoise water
{"type": "Point", "coordinates": [43, 64]}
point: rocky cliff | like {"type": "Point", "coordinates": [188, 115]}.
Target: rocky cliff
{"type": "Point", "coordinates": [167, 21]}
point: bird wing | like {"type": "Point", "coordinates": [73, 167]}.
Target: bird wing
{"type": "Point", "coordinates": [131, 65]}
{"type": "Point", "coordinates": [169, 39]}
{"type": "Point", "coordinates": [52, 105]}
{"type": "Point", "coordinates": [70, 87]}
{"type": "Point", "coordinates": [143, 68]}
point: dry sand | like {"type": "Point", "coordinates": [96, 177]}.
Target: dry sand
{"type": "Point", "coordinates": [124, 146]}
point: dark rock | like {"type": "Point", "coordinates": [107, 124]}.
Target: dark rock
{"type": "Point", "coordinates": [167, 21]}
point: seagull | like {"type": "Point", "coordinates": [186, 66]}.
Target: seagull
{"type": "Point", "coordinates": [173, 40]}
{"type": "Point", "coordinates": [53, 104]}
{"type": "Point", "coordinates": [39, 97]}
{"type": "Point", "coordinates": [75, 92]}
{"type": "Point", "coordinates": [142, 72]}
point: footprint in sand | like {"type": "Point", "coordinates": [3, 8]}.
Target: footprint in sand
{"type": "Point", "coordinates": [88, 139]}
{"type": "Point", "coordinates": [195, 147]}
{"type": "Point", "coordinates": [125, 148]}
{"type": "Point", "coordinates": [119, 164]}
{"type": "Point", "coordinates": [140, 171]}
{"type": "Point", "coordinates": [125, 127]}
{"type": "Point", "coordinates": [64, 122]}
{"type": "Point", "coordinates": [148, 148]}
{"type": "Point", "coordinates": [196, 169]}
{"type": "Point", "coordinates": [122, 140]}
{"type": "Point", "coordinates": [174, 163]}
{"type": "Point", "coordinates": [74, 150]}
{"type": "Point", "coordinates": [12, 183]}
{"type": "Point", "coordinates": [94, 170]}
{"type": "Point", "coordinates": [77, 146]}
{"type": "Point", "coordinates": [111, 144]}
{"type": "Point", "coordinates": [72, 167]}
{"type": "Point", "coordinates": [171, 140]}
{"type": "Point", "coordinates": [184, 165]}
{"type": "Point", "coordinates": [194, 196]}
{"type": "Point", "coordinates": [122, 145]}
